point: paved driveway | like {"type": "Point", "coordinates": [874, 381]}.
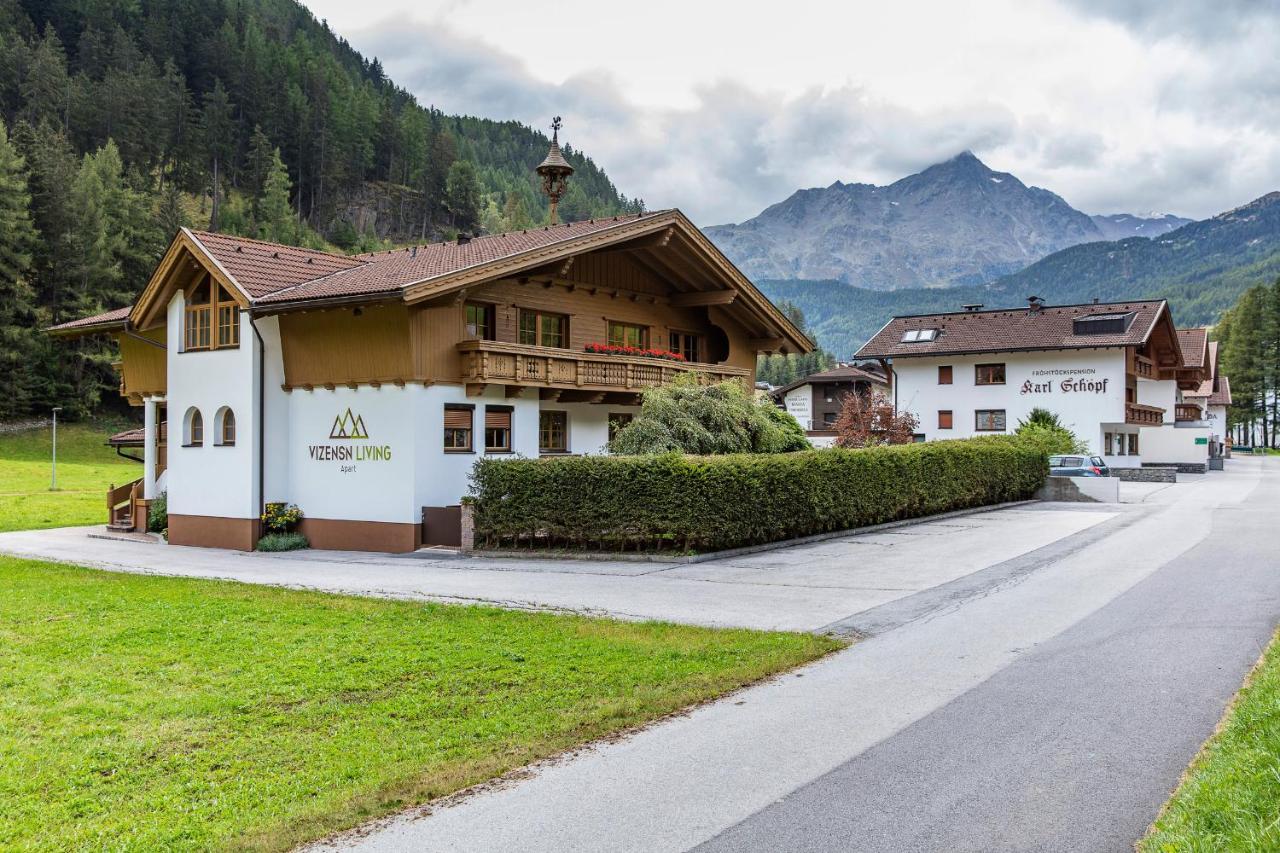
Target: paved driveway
{"type": "Point", "coordinates": [802, 588]}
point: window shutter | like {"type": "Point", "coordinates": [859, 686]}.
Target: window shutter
{"type": "Point", "coordinates": [457, 419]}
{"type": "Point", "coordinates": [497, 418]}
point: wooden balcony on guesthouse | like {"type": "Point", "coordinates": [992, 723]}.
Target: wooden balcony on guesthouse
{"type": "Point", "coordinates": [568, 375]}
{"type": "Point", "coordinates": [1143, 415]}
{"type": "Point", "coordinates": [1186, 412]}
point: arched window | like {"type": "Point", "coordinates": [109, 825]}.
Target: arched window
{"type": "Point", "coordinates": [226, 426]}
{"type": "Point", "coordinates": [194, 428]}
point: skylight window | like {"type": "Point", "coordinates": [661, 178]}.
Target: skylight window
{"type": "Point", "coordinates": [916, 336]}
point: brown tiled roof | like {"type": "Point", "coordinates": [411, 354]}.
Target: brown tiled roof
{"type": "Point", "coordinates": [115, 317]}
{"type": "Point", "coordinates": [1009, 329]}
{"type": "Point", "coordinates": [1221, 395]}
{"type": "Point", "coordinates": [391, 271]}
{"type": "Point", "coordinates": [129, 438]}
{"type": "Point", "coordinates": [261, 268]}
{"type": "Point", "coordinates": [848, 373]}
{"type": "Point", "coordinates": [1193, 342]}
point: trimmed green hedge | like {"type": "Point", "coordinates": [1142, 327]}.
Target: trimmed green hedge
{"type": "Point", "coordinates": [705, 503]}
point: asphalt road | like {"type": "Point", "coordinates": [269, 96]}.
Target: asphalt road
{"type": "Point", "coordinates": [1077, 744]}
{"type": "Point", "coordinates": [1047, 702]}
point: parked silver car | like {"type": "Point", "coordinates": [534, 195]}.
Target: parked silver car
{"type": "Point", "coordinates": [1078, 466]}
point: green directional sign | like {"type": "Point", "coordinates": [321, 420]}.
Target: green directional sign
{"type": "Point", "coordinates": [1202, 441]}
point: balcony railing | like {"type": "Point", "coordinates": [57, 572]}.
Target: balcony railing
{"type": "Point", "coordinates": [1144, 367]}
{"type": "Point", "coordinates": [519, 364]}
{"type": "Point", "coordinates": [1187, 412]}
{"type": "Point", "coordinates": [1137, 413]}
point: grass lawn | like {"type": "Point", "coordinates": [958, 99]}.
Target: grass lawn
{"type": "Point", "coordinates": [149, 713]}
{"type": "Point", "coordinates": [1230, 798]}
{"type": "Point", "coordinates": [86, 467]}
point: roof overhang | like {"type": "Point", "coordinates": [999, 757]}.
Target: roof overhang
{"type": "Point", "coordinates": [669, 228]}
{"type": "Point", "coordinates": [152, 301]}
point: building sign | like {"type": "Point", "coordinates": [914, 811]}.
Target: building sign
{"type": "Point", "coordinates": [1082, 380]}
{"type": "Point", "coordinates": [349, 427]}
{"type": "Point", "coordinates": [799, 404]}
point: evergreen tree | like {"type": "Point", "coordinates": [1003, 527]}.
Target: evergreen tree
{"type": "Point", "coordinates": [514, 214]}
{"type": "Point", "coordinates": [17, 237]}
{"type": "Point", "coordinates": [216, 124]}
{"type": "Point", "coordinates": [462, 195]}
{"type": "Point", "coordinates": [276, 221]}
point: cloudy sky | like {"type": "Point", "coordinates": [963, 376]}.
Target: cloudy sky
{"type": "Point", "coordinates": [723, 108]}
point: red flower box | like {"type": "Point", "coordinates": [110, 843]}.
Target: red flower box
{"type": "Point", "coordinates": [615, 349]}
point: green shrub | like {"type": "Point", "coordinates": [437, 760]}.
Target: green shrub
{"type": "Point", "coordinates": [687, 416]}
{"type": "Point", "coordinates": [703, 503]}
{"type": "Point", "coordinates": [283, 542]}
{"type": "Point", "coordinates": [158, 513]}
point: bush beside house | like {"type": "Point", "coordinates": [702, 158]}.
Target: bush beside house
{"type": "Point", "coordinates": [705, 503]}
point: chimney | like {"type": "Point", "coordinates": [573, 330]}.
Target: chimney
{"type": "Point", "coordinates": [1035, 304]}
{"type": "Point", "coordinates": [464, 239]}
{"type": "Point", "coordinates": [975, 306]}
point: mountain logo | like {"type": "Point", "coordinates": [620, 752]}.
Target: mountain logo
{"type": "Point", "coordinates": [348, 425]}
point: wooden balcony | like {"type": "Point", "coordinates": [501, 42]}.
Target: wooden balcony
{"type": "Point", "coordinates": [521, 366]}
{"type": "Point", "coordinates": [1144, 367]}
{"type": "Point", "coordinates": [1142, 415]}
{"type": "Point", "coordinates": [1184, 412]}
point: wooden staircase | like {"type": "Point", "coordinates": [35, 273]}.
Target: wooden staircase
{"type": "Point", "coordinates": [126, 509]}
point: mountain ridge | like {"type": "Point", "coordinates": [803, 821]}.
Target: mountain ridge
{"type": "Point", "coordinates": [957, 222]}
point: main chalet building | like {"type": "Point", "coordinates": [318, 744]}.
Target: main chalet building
{"type": "Point", "coordinates": [363, 388]}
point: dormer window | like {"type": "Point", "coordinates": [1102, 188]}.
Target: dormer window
{"type": "Point", "coordinates": [212, 318]}
{"type": "Point", "coordinates": [919, 336]}
{"type": "Point", "coordinates": [1102, 324]}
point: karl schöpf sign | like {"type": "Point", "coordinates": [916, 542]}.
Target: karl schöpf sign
{"type": "Point", "coordinates": [1082, 380]}
{"type": "Point", "coordinates": [348, 444]}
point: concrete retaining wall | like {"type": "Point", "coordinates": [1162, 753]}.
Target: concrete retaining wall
{"type": "Point", "coordinates": [1080, 489]}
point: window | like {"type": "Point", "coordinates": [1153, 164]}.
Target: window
{"type": "Point", "coordinates": [627, 335]}
{"type": "Point", "coordinates": [480, 321]}
{"type": "Point", "coordinates": [194, 432]}
{"type": "Point", "coordinates": [1107, 444]}
{"type": "Point", "coordinates": [689, 346]}
{"type": "Point", "coordinates": [829, 418]}
{"type": "Point", "coordinates": [944, 374]}
{"type": "Point", "coordinates": [497, 429]}
{"type": "Point", "coordinates": [989, 374]}
{"type": "Point", "coordinates": [226, 425]}
{"type": "Point", "coordinates": [617, 421]}
{"type": "Point", "coordinates": [540, 329]}
{"type": "Point", "coordinates": [457, 428]}
{"type": "Point", "coordinates": [228, 325]}
{"type": "Point", "coordinates": [1133, 444]}
{"type": "Point", "coordinates": [211, 319]}
{"type": "Point", "coordinates": [989, 420]}
{"type": "Point", "coordinates": [944, 419]}
{"type": "Point", "coordinates": [1066, 462]}
{"type": "Point", "coordinates": [553, 432]}
{"type": "Point", "coordinates": [919, 336]}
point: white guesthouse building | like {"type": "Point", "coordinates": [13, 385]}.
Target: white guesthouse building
{"type": "Point", "coordinates": [1113, 373]}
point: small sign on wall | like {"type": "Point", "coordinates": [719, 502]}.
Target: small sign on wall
{"type": "Point", "coordinates": [1202, 441]}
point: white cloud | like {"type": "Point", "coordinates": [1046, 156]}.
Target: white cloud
{"type": "Point", "coordinates": [722, 109]}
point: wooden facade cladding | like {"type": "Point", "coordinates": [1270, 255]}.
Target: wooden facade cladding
{"type": "Point", "coordinates": [143, 366]}
{"type": "Point", "coordinates": [491, 362]}
{"type": "Point", "coordinates": [370, 344]}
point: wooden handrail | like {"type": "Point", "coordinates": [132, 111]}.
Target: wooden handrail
{"type": "Point", "coordinates": [522, 364]}
{"type": "Point", "coordinates": [1143, 415]}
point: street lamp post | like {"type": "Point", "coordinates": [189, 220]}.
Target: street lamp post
{"type": "Point", "coordinates": [53, 484]}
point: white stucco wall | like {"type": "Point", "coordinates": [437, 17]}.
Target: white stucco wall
{"type": "Point", "coordinates": [1085, 388]}
{"type": "Point", "coordinates": [1175, 444]}
{"type": "Point", "coordinates": [1162, 393]}
{"type": "Point", "coordinates": [212, 479]}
